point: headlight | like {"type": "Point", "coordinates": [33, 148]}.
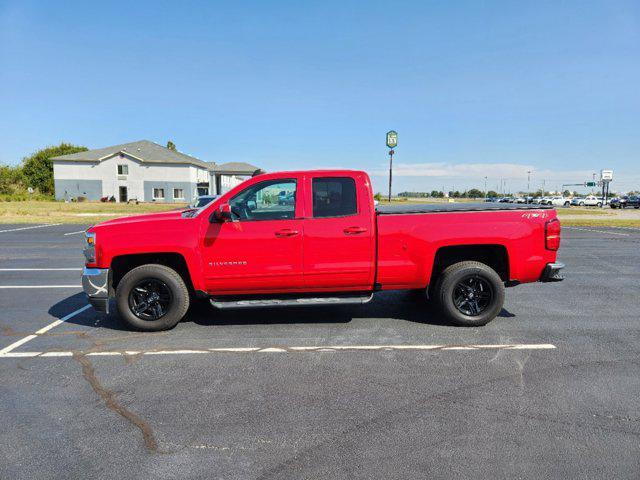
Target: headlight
{"type": "Point", "coordinates": [90, 247]}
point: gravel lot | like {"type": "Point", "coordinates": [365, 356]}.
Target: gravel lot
{"type": "Point", "coordinates": [87, 398]}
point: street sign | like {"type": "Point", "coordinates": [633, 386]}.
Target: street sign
{"type": "Point", "coordinates": [606, 175]}
{"type": "Point", "coordinates": [392, 139]}
{"type": "Point", "coordinates": [590, 184]}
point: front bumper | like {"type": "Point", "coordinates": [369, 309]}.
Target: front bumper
{"type": "Point", "coordinates": [95, 283]}
{"type": "Point", "coordinates": [551, 272]}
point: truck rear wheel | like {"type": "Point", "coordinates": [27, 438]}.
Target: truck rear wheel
{"type": "Point", "coordinates": [152, 297]}
{"type": "Point", "coordinates": [469, 294]}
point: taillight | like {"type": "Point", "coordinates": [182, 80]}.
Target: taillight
{"type": "Point", "coordinates": [552, 234]}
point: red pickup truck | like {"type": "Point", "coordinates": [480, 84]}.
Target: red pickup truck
{"type": "Point", "coordinates": [316, 238]}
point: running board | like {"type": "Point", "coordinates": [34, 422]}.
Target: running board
{"type": "Point", "coordinates": [290, 302]}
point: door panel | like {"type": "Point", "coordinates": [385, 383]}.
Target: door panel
{"type": "Point", "coordinates": [261, 249]}
{"type": "Point", "coordinates": [339, 238]}
{"type": "Point", "coordinates": [249, 257]}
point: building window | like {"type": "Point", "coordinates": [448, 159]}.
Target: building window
{"type": "Point", "coordinates": [158, 193]}
{"type": "Point", "coordinates": [123, 169]}
{"type": "Point", "coordinates": [178, 194]}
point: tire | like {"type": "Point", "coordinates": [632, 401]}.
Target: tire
{"type": "Point", "coordinates": [172, 292]}
{"type": "Point", "coordinates": [566, 204]}
{"type": "Point", "coordinates": [599, 204]}
{"type": "Point", "coordinates": [459, 275]}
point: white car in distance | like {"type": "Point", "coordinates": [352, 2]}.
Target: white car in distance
{"type": "Point", "coordinates": [592, 201]}
{"type": "Point", "coordinates": [559, 201]}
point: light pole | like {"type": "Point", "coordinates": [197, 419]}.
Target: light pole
{"type": "Point", "coordinates": [392, 142]}
{"type": "Point", "coordinates": [485, 187]}
{"type": "Point", "coordinates": [528, 180]}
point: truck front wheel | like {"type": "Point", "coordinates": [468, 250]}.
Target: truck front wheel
{"type": "Point", "coordinates": [152, 297]}
{"type": "Point", "coordinates": [469, 294]}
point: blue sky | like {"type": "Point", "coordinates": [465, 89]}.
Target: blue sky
{"type": "Point", "coordinates": [473, 88]}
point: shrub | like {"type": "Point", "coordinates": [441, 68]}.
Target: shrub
{"type": "Point", "coordinates": [38, 168]}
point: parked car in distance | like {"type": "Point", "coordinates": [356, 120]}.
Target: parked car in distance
{"type": "Point", "coordinates": [491, 199]}
{"type": "Point", "coordinates": [592, 201]}
{"type": "Point", "coordinates": [203, 200]}
{"type": "Point", "coordinates": [332, 245]}
{"type": "Point", "coordinates": [520, 200]}
{"type": "Point", "coordinates": [633, 201]}
{"type": "Point", "coordinates": [619, 202]}
{"type": "Point", "coordinates": [506, 200]}
{"type": "Point", "coordinates": [285, 198]}
{"type": "Point", "coordinates": [559, 201]}
{"type": "Point", "coordinates": [577, 202]}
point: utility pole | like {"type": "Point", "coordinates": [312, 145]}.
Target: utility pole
{"type": "Point", "coordinates": [485, 187]}
{"type": "Point", "coordinates": [528, 180]}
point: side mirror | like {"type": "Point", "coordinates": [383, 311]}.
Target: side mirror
{"type": "Point", "coordinates": [221, 214]}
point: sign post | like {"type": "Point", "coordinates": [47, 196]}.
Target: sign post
{"type": "Point", "coordinates": [392, 142]}
{"type": "Point", "coordinates": [605, 177]}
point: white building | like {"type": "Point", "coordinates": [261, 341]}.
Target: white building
{"type": "Point", "coordinates": [144, 171]}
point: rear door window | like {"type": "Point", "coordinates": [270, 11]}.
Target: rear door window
{"type": "Point", "coordinates": [334, 197]}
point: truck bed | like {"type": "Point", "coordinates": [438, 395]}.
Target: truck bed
{"type": "Point", "coordinates": [454, 207]}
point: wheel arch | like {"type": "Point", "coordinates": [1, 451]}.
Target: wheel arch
{"type": "Point", "coordinates": [122, 264]}
{"type": "Point", "coordinates": [495, 256]}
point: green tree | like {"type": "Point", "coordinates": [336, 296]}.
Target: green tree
{"type": "Point", "coordinates": [38, 168]}
{"type": "Point", "coordinates": [171, 145]}
{"type": "Point", "coordinates": [474, 193]}
{"type": "Point", "coordinates": [11, 179]}
{"type": "Point", "coordinates": [377, 196]}
{"type": "Point", "coordinates": [492, 193]}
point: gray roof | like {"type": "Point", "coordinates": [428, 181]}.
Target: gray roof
{"type": "Point", "coordinates": [231, 168]}
{"type": "Point", "coordinates": [143, 150]}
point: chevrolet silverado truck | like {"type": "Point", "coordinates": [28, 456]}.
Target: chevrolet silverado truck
{"type": "Point", "coordinates": [329, 245]}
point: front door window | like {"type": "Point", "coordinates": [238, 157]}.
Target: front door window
{"type": "Point", "coordinates": [268, 200]}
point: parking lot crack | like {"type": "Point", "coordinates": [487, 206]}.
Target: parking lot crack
{"type": "Point", "coordinates": [111, 401]}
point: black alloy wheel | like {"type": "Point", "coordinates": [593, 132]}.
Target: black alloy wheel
{"type": "Point", "coordinates": [472, 295]}
{"type": "Point", "coordinates": [150, 299]}
{"type": "Point", "coordinates": [469, 293]}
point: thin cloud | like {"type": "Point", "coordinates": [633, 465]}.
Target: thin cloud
{"type": "Point", "coordinates": [480, 170]}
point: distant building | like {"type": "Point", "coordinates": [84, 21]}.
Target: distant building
{"type": "Point", "coordinates": [144, 171]}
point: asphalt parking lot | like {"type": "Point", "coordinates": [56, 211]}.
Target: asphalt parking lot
{"type": "Point", "coordinates": [550, 389]}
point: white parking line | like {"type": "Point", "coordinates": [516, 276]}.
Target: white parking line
{"type": "Point", "coordinates": [75, 269]}
{"type": "Point", "coordinates": [597, 231]}
{"type": "Point", "coordinates": [74, 233]}
{"type": "Point", "coordinates": [24, 340]}
{"type": "Point", "coordinates": [29, 228]}
{"type": "Point", "coordinates": [38, 286]}
{"type": "Point", "coordinates": [6, 353]}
